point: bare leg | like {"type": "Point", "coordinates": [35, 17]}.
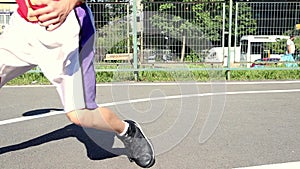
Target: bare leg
{"type": "Point", "coordinates": [101, 118]}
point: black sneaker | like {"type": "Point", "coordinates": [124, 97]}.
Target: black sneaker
{"type": "Point", "coordinates": [139, 148]}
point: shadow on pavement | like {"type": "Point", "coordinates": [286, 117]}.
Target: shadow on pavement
{"type": "Point", "coordinates": [97, 149]}
{"type": "Point", "coordinates": [41, 111]}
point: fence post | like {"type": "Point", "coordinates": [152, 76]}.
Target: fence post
{"type": "Point", "coordinates": [229, 40]}
{"type": "Point", "coordinates": [224, 28]}
{"type": "Point", "coordinates": [235, 29]}
{"type": "Point", "coordinates": [134, 39]}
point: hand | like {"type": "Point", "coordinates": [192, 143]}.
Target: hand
{"type": "Point", "coordinates": [55, 13]}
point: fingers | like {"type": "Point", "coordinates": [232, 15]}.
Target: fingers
{"type": "Point", "coordinates": [52, 15]}
{"type": "Point", "coordinates": [48, 22]}
{"type": "Point", "coordinates": [51, 24]}
{"type": "Point", "coordinates": [53, 27]}
{"type": "Point", "coordinates": [41, 11]}
{"type": "Point", "coordinates": [47, 18]}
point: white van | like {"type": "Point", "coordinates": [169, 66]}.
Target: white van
{"type": "Point", "coordinates": [217, 54]}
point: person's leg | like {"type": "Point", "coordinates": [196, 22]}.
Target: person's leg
{"type": "Point", "coordinates": [68, 64]}
{"type": "Point", "coordinates": [11, 66]}
{"type": "Point", "coordinates": [13, 46]}
{"type": "Point", "coordinates": [65, 56]}
{"type": "Point", "coordinates": [100, 118]}
{"type": "Point", "coordinates": [139, 147]}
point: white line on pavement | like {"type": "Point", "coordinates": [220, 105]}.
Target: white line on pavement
{"type": "Point", "coordinates": [20, 119]}
{"type": "Point", "coordinates": [289, 165]}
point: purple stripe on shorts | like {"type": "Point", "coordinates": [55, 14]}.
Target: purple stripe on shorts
{"type": "Point", "coordinates": [86, 47]}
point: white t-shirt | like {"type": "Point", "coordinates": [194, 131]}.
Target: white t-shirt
{"type": "Point", "coordinates": [292, 46]}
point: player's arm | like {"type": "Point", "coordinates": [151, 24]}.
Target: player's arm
{"type": "Point", "coordinates": [55, 13]}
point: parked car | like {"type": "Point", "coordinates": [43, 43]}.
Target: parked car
{"type": "Point", "coordinates": [265, 62]}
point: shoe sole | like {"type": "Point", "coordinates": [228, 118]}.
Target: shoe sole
{"type": "Point", "coordinates": [152, 162]}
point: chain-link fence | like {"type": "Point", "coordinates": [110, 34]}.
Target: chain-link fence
{"type": "Point", "coordinates": [167, 32]}
{"type": "Point", "coordinates": [261, 29]}
{"type": "Point", "coordinates": [112, 21]}
{"type": "Point", "coordinates": [6, 9]}
{"type": "Point", "coordinates": [268, 18]}
{"type": "Point", "coordinates": [201, 32]}
{"type": "Point", "coordinates": [181, 31]}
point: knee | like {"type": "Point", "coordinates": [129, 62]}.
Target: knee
{"type": "Point", "coordinates": [81, 118]}
{"type": "Point", "coordinates": [74, 118]}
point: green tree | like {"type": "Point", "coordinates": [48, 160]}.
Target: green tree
{"type": "Point", "coordinates": [113, 37]}
{"type": "Point", "coordinates": [246, 25]}
{"type": "Point", "coordinates": [201, 22]}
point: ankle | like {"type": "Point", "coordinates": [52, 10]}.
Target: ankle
{"type": "Point", "coordinates": [123, 132]}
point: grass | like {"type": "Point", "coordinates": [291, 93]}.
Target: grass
{"type": "Point", "coordinates": [170, 76]}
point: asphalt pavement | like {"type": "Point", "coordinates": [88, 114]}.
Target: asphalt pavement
{"type": "Point", "coordinates": [221, 125]}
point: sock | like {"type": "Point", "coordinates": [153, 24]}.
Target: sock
{"type": "Point", "coordinates": [125, 129]}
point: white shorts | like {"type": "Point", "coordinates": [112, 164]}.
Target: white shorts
{"type": "Point", "coordinates": [24, 45]}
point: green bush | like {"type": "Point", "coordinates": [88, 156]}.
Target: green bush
{"type": "Point", "coordinates": [265, 75]}
{"type": "Point", "coordinates": [29, 79]}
